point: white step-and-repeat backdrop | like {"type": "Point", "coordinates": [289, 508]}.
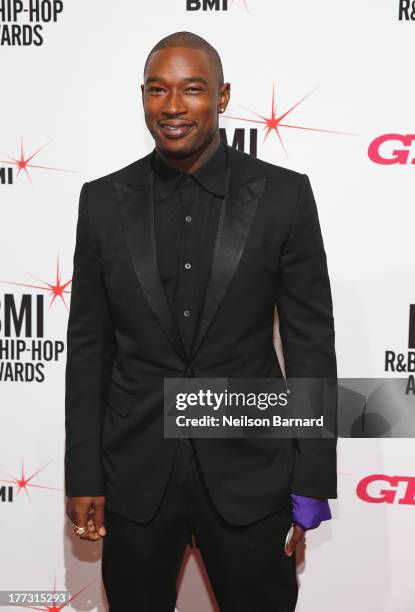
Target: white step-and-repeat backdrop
{"type": "Point", "coordinates": [322, 87]}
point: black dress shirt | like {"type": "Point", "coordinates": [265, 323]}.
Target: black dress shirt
{"type": "Point", "coordinates": [187, 208]}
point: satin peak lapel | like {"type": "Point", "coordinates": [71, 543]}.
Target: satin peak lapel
{"type": "Point", "coordinates": [137, 214]}
{"type": "Point", "coordinates": [237, 214]}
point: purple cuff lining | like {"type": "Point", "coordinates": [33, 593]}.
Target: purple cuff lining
{"type": "Point", "coordinates": [308, 512]}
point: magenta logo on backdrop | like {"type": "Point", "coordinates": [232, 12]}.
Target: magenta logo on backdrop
{"type": "Point", "coordinates": [391, 149]}
{"type": "Point", "coordinates": [384, 489]}
{"type": "Point", "coordinates": [25, 162]}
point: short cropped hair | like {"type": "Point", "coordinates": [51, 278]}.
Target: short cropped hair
{"type": "Point", "coordinates": [192, 41]}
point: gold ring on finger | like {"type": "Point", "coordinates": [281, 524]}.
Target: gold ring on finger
{"type": "Point", "coordinates": [78, 530]}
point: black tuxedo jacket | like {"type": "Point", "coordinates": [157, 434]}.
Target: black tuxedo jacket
{"type": "Point", "coordinates": [122, 341]}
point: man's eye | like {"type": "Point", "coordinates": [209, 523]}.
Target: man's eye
{"type": "Point", "coordinates": [194, 88]}
{"type": "Point", "coordinates": [154, 89]}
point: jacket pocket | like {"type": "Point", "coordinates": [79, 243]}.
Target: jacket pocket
{"type": "Point", "coordinates": [120, 401]}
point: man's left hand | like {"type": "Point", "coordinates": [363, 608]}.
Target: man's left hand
{"type": "Point", "coordinates": [296, 538]}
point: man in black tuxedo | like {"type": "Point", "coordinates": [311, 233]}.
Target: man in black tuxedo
{"type": "Point", "coordinates": [180, 259]}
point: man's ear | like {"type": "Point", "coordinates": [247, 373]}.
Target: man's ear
{"type": "Point", "coordinates": [142, 94]}
{"type": "Point", "coordinates": [225, 94]}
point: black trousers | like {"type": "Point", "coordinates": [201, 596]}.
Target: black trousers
{"type": "Point", "coordinates": [246, 565]}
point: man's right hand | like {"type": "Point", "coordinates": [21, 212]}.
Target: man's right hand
{"type": "Point", "coordinates": [87, 512]}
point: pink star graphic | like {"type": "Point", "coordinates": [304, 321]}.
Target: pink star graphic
{"type": "Point", "coordinates": [55, 290]}
{"type": "Point", "coordinates": [275, 121]}
{"type": "Point", "coordinates": [23, 481]}
{"type": "Point", "coordinates": [23, 163]}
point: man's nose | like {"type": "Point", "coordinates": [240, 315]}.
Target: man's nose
{"type": "Point", "coordinates": [174, 104]}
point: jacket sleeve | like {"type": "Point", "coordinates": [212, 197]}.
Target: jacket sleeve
{"type": "Point", "coordinates": [90, 355]}
{"type": "Point", "coordinates": [305, 311]}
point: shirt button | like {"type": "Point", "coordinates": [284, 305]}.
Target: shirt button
{"type": "Point", "coordinates": [186, 313]}
{"type": "Point", "coordinates": [187, 266]}
{"type": "Point", "coordinates": [188, 179]}
{"type": "Point", "coordinates": [188, 218]}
